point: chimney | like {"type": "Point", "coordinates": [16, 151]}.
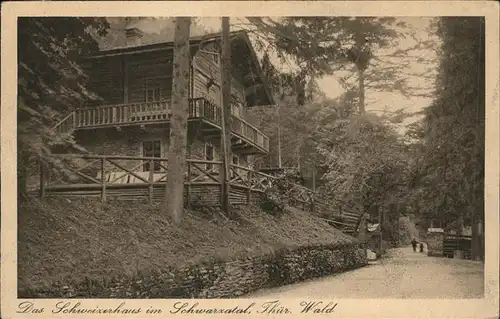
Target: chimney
{"type": "Point", "coordinates": [134, 36]}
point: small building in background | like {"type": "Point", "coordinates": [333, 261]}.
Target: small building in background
{"type": "Point", "coordinates": [434, 240]}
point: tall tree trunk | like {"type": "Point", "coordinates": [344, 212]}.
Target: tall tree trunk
{"type": "Point", "coordinates": [361, 88]}
{"type": "Point", "coordinates": [278, 132]}
{"type": "Point", "coordinates": [226, 106]}
{"type": "Point", "coordinates": [173, 201]}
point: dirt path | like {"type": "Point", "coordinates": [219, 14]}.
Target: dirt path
{"type": "Point", "coordinates": [402, 273]}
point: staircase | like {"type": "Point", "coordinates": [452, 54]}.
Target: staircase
{"type": "Point", "coordinates": [352, 219]}
{"type": "Point", "coordinates": [349, 224]}
{"type": "Point", "coordinates": [345, 217]}
{"type": "Point", "coordinates": [66, 125]}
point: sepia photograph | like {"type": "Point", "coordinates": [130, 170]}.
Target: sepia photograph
{"type": "Point", "coordinates": [315, 158]}
{"type": "Point", "coordinates": [214, 157]}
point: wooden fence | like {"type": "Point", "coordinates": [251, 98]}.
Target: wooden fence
{"type": "Point", "coordinates": [103, 175]}
{"type": "Point", "coordinates": [133, 177]}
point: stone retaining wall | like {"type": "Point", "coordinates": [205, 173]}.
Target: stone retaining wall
{"type": "Point", "coordinates": [218, 279]}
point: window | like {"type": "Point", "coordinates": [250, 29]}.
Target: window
{"type": "Point", "coordinates": [209, 155]}
{"type": "Point", "coordinates": [153, 95]}
{"type": "Point", "coordinates": [213, 95]}
{"type": "Point", "coordinates": [151, 149]}
{"type": "Point", "coordinates": [152, 91]}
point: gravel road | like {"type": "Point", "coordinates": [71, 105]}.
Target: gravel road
{"type": "Point", "coordinates": [401, 273]}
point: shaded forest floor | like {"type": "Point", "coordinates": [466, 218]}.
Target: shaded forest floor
{"type": "Point", "coordinates": [62, 239]}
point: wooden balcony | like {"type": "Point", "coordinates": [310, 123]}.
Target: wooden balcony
{"type": "Point", "coordinates": [158, 112]}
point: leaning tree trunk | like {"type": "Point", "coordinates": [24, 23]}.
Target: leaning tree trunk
{"type": "Point", "coordinates": [173, 201]}
{"type": "Point", "coordinates": [361, 88]}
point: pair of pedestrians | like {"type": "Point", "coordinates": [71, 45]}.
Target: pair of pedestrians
{"type": "Point", "coordinates": [414, 245]}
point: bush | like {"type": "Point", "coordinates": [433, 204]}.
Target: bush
{"type": "Point", "coordinates": [278, 269]}
{"type": "Point", "coordinates": [273, 201]}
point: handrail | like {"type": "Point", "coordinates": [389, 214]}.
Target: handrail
{"type": "Point", "coordinates": [102, 106]}
{"type": "Point", "coordinates": [126, 157]}
{"type": "Point", "coordinates": [157, 111]}
{"type": "Point", "coordinates": [335, 222]}
{"type": "Point", "coordinates": [249, 124]}
{"type": "Point", "coordinates": [273, 178]}
{"type": "Point", "coordinates": [64, 119]}
{"type": "Point", "coordinates": [253, 171]}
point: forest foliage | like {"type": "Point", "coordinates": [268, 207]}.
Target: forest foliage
{"type": "Point", "coordinates": [51, 83]}
{"type": "Point", "coordinates": [434, 171]}
{"type": "Point", "coordinates": [452, 185]}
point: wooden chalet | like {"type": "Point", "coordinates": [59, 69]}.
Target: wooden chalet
{"type": "Point", "coordinates": [126, 132]}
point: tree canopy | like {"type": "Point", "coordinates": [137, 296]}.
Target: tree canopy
{"type": "Point", "coordinates": [366, 49]}
{"type": "Point", "coordinates": [453, 178]}
{"type": "Point", "coordinates": [50, 81]}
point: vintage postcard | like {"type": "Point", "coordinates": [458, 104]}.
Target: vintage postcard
{"type": "Point", "coordinates": [262, 159]}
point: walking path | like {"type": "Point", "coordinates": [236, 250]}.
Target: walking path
{"type": "Point", "coordinates": [401, 273]}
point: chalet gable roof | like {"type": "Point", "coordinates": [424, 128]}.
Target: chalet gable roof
{"type": "Point", "coordinates": [243, 58]}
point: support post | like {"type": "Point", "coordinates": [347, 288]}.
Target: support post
{"type": "Point", "coordinates": [150, 179]}
{"type": "Point", "coordinates": [380, 218]}
{"type": "Point", "coordinates": [98, 117]}
{"type": "Point", "coordinates": [74, 119]}
{"type": "Point", "coordinates": [279, 141]}
{"type": "Point", "coordinates": [188, 191]}
{"type": "Point", "coordinates": [314, 177]}
{"type": "Point", "coordinates": [396, 223]}
{"type": "Point", "coordinates": [103, 181]}
{"type": "Point", "coordinates": [125, 80]}
{"type": "Point", "coordinates": [313, 203]}
{"type": "Point", "coordinates": [303, 202]}
{"type": "Point", "coordinates": [42, 180]}
{"type": "Point", "coordinates": [278, 123]}
{"type": "Point", "coordinates": [249, 191]}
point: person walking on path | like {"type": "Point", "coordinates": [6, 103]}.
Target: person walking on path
{"type": "Point", "coordinates": [414, 244]}
{"type": "Point", "coordinates": [421, 247]}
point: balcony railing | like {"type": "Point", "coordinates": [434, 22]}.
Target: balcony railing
{"type": "Point", "coordinates": [145, 112]}
{"type": "Point", "coordinates": [203, 108]}
{"type": "Point", "coordinates": [154, 112]}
